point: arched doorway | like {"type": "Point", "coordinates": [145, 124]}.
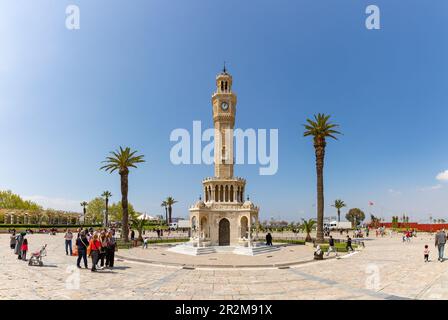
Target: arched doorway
{"type": "Point", "coordinates": [224, 232]}
{"type": "Point", "coordinates": [204, 227]}
{"type": "Point", "coordinates": [244, 227]}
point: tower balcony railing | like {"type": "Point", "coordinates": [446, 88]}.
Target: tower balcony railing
{"type": "Point", "coordinates": [220, 179]}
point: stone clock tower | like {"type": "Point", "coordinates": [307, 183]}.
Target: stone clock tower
{"type": "Point", "coordinates": [224, 109]}
{"type": "Point", "coordinates": [223, 217]}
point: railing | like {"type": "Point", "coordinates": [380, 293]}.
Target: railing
{"type": "Point", "coordinates": [313, 240]}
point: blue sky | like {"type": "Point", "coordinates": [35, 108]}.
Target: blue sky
{"type": "Point", "coordinates": [138, 69]}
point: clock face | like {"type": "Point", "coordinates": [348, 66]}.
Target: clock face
{"type": "Point", "coordinates": [224, 106]}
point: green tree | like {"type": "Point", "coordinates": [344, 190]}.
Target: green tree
{"type": "Point", "coordinates": [307, 226]}
{"type": "Point", "coordinates": [116, 211]}
{"type": "Point", "coordinates": [169, 203]}
{"type": "Point", "coordinates": [139, 225]}
{"type": "Point", "coordinates": [320, 129]}
{"type": "Point", "coordinates": [355, 216]}
{"type": "Point", "coordinates": [106, 195]}
{"type": "Point", "coordinates": [121, 160]}
{"type": "Point", "coordinates": [339, 204]}
{"type": "Point", "coordinates": [95, 209]}
{"type": "Point", "coordinates": [9, 200]}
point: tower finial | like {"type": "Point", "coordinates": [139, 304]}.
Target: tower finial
{"type": "Point", "coordinates": [224, 69]}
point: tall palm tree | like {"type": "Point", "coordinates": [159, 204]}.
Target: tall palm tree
{"type": "Point", "coordinates": [122, 160]}
{"type": "Point", "coordinates": [106, 195]}
{"type": "Point", "coordinates": [320, 129]}
{"type": "Point", "coordinates": [84, 205]}
{"type": "Point", "coordinates": [339, 204]}
{"type": "Point", "coordinates": [169, 203]}
{"type": "Point", "coordinates": [166, 210]}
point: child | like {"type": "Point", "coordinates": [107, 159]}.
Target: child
{"type": "Point", "coordinates": [426, 253]}
{"type": "Point", "coordinates": [24, 248]}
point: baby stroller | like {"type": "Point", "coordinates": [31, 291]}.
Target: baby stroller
{"type": "Point", "coordinates": [36, 257]}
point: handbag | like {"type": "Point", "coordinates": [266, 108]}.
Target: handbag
{"type": "Point", "coordinates": [89, 248]}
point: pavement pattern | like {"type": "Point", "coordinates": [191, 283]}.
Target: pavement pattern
{"type": "Point", "coordinates": [386, 269]}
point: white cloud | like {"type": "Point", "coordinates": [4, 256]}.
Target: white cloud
{"type": "Point", "coordinates": [394, 192]}
{"type": "Point", "coordinates": [55, 203]}
{"type": "Point", "coordinates": [436, 187]}
{"type": "Point", "coordinates": [442, 176]}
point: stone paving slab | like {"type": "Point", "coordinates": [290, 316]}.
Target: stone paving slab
{"type": "Point", "coordinates": [158, 254]}
{"type": "Point", "coordinates": [385, 269]}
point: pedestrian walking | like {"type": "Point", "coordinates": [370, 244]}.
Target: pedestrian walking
{"type": "Point", "coordinates": [19, 241]}
{"type": "Point", "coordinates": [145, 243]}
{"type": "Point", "coordinates": [426, 253]}
{"type": "Point", "coordinates": [110, 250]}
{"type": "Point", "coordinates": [331, 246]}
{"type": "Point", "coordinates": [349, 244]}
{"type": "Point", "coordinates": [102, 252]}
{"type": "Point", "coordinates": [68, 242]}
{"type": "Point", "coordinates": [440, 244]}
{"type": "Point", "coordinates": [12, 240]}
{"type": "Point", "coordinates": [269, 239]}
{"type": "Point", "coordinates": [82, 243]}
{"type": "Point", "coordinates": [94, 247]}
{"type": "Point", "coordinates": [134, 243]}
{"type": "Point", "coordinates": [24, 249]}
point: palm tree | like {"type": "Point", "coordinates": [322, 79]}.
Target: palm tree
{"type": "Point", "coordinates": [169, 203]}
{"type": "Point", "coordinates": [320, 128]}
{"type": "Point", "coordinates": [307, 226]}
{"type": "Point", "coordinates": [122, 160]}
{"type": "Point", "coordinates": [139, 225]}
{"type": "Point", "coordinates": [106, 195]}
{"type": "Point", "coordinates": [339, 204]}
{"type": "Point", "coordinates": [166, 210]}
{"type": "Point", "coordinates": [84, 205]}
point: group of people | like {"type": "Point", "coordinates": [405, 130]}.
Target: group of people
{"type": "Point", "coordinates": [440, 241]}
{"type": "Point", "coordinates": [332, 246]}
{"type": "Point", "coordinates": [19, 244]}
{"type": "Point", "coordinates": [407, 235]}
{"type": "Point", "coordinates": [99, 245]}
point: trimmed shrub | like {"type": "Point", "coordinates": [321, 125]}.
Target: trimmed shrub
{"type": "Point", "coordinates": [290, 241]}
{"type": "Point", "coordinates": [128, 245]}
{"type": "Point", "coordinates": [47, 226]}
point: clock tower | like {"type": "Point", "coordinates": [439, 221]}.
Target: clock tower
{"type": "Point", "coordinates": [224, 108]}
{"type": "Point", "coordinates": [223, 217]}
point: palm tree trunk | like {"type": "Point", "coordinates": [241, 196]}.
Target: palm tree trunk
{"type": "Point", "coordinates": [124, 205]}
{"type": "Point", "coordinates": [170, 210]}
{"type": "Point", "coordinates": [339, 215]}
{"type": "Point", "coordinates": [107, 212]}
{"type": "Point", "coordinates": [166, 215]}
{"type": "Point", "coordinates": [320, 154]}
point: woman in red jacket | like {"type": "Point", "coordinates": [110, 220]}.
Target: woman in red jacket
{"type": "Point", "coordinates": [95, 246]}
{"type": "Point", "coordinates": [24, 249]}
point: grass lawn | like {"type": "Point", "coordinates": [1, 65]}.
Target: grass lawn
{"type": "Point", "coordinates": [340, 247]}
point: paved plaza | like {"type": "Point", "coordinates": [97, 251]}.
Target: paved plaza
{"type": "Point", "coordinates": [385, 269]}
